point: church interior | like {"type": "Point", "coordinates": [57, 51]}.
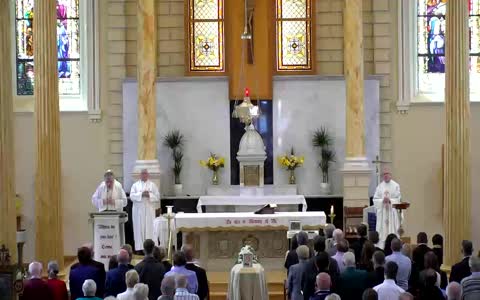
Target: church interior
{"type": "Point", "coordinates": [300, 107]}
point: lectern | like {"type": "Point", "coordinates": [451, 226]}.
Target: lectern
{"type": "Point", "coordinates": [108, 234]}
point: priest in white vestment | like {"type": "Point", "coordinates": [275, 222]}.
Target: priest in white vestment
{"type": "Point", "coordinates": [146, 198]}
{"type": "Point", "coordinates": [386, 194]}
{"type": "Point", "coordinates": [109, 194]}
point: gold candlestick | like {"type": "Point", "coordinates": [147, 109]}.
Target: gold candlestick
{"type": "Point", "coordinates": [332, 217]}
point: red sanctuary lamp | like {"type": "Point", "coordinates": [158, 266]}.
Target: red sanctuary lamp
{"type": "Point", "coordinates": [246, 111]}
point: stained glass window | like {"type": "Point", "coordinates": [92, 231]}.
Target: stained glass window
{"type": "Point", "coordinates": [206, 35]}
{"type": "Point", "coordinates": [68, 47]}
{"type": "Point", "coordinates": [293, 23]}
{"type": "Point", "coordinates": [431, 32]}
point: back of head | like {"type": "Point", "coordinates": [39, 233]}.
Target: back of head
{"type": "Point", "coordinates": [179, 259]}
{"type": "Point", "coordinates": [123, 257]}
{"type": "Point", "coordinates": [181, 282]}
{"type": "Point", "coordinates": [378, 258]}
{"type": "Point", "coordinates": [319, 243]}
{"type": "Point", "coordinates": [454, 291]}
{"type": "Point", "coordinates": [188, 250]}
{"type": "Point", "coordinates": [474, 263]}
{"type": "Point", "coordinates": [374, 237]}
{"type": "Point", "coordinates": [349, 259]}
{"type": "Point", "coordinates": [35, 269]}
{"type": "Point", "coordinates": [131, 278]}
{"type": "Point", "coordinates": [369, 294]}
{"type": "Point", "coordinates": [302, 238]}
{"type": "Point", "coordinates": [140, 291]}
{"type": "Point", "coordinates": [367, 251]}
{"type": "Point", "coordinates": [406, 296]}
{"type": "Point", "coordinates": [113, 262]}
{"type": "Point", "coordinates": [333, 297]}
{"type": "Point", "coordinates": [129, 249]}
{"type": "Point", "coordinates": [148, 246]}
{"type": "Point", "coordinates": [396, 245]}
{"type": "Point", "coordinates": [337, 234]}
{"type": "Point", "coordinates": [437, 240]}
{"type": "Point", "coordinates": [84, 255]}
{"type": "Point", "coordinates": [168, 286]}
{"type": "Point", "coordinates": [323, 281]}
{"type": "Point", "coordinates": [156, 253]}
{"type": "Point", "coordinates": [391, 270]}
{"type": "Point", "coordinates": [342, 245]}
{"type": "Point", "coordinates": [303, 252]}
{"type": "Point", "coordinates": [388, 242]}
{"type": "Point", "coordinates": [362, 230]}
{"type": "Point", "coordinates": [89, 288]}
{"type": "Point", "coordinates": [467, 247]}
{"type": "Point", "coordinates": [53, 269]}
{"type": "Point", "coordinates": [329, 228]}
{"type": "Point", "coordinates": [430, 260]}
{"type": "Point", "coordinates": [294, 242]}
{"type": "Point", "coordinates": [422, 238]}
{"type": "Point", "coordinates": [430, 278]}
{"type": "Point", "coordinates": [322, 261]}
{"type": "Point", "coordinates": [407, 250]}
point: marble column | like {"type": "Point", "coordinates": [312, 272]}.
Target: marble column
{"type": "Point", "coordinates": [457, 208]}
{"type": "Point", "coordinates": [356, 169]}
{"type": "Point", "coordinates": [146, 76]}
{"type": "Point", "coordinates": [7, 155]}
{"type": "Point", "coordinates": [48, 201]}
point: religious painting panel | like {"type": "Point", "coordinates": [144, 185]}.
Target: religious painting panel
{"type": "Point", "coordinates": [293, 34]}
{"type": "Point", "coordinates": [68, 47]}
{"type": "Point", "coordinates": [206, 49]}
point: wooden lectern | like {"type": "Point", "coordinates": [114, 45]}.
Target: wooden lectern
{"type": "Point", "coordinates": [400, 207]}
{"type": "Point", "coordinates": [108, 234]}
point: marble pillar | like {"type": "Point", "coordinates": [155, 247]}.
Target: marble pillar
{"type": "Point", "coordinates": [146, 76]}
{"type": "Point", "coordinates": [457, 214]}
{"type": "Point", "coordinates": [356, 169]}
{"type": "Point", "coordinates": [48, 201]}
{"type": "Point", "coordinates": [7, 155]}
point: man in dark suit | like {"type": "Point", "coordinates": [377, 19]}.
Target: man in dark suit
{"type": "Point", "coordinates": [321, 262]}
{"type": "Point", "coordinates": [150, 270]}
{"type": "Point", "coordinates": [420, 251]}
{"type": "Point", "coordinates": [115, 283]}
{"type": "Point", "coordinates": [85, 270]}
{"type": "Point", "coordinates": [100, 266]}
{"type": "Point", "coordinates": [357, 246]}
{"type": "Point", "coordinates": [35, 288]}
{"type": "Point", "coordinates": [203, 290]}
{"type": "Point", "coordinates": [352, 282]}
{"type": "Point", "coordinates": [461, 269]}
{"type": "Point", "coordinates": [377, 276]}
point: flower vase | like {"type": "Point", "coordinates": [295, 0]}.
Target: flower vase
{"type": "Point", "coordinates": [291, 179]}
{"type": "Point", "coordinates": [215, 180]}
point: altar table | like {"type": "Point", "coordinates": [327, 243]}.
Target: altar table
{"type": "Point", "coordinates": [257, 201]}
{"type": "Point", "coordinates": [311, 220]}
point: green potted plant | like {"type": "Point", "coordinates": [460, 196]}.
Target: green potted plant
{"type": "Point", "coordinates": [175, 141]}
{"type": "Point", "coordinates": [324, 141]}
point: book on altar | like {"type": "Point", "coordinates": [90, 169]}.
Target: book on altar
{"type": "Point", "coordinates": [268, 209]}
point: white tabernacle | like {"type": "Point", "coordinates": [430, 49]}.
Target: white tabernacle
{"type": "Point", "coordinates": [227, 221]}
{"type": "Point", "coordinates": [250, 203]}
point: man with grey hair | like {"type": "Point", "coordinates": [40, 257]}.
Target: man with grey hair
{"type": "Point", "coordinates": [168, 288]}
{"type": "Point", "coordinates": [140, 291]}
{"type": "Point", "coordinates": [146, 199]}
{"type": "Point", "coordinates": [352, 282]}
{"type": "Point", "coordinates": [182, 293]}
{"type": "Point", "coordinates": [333, 297]}
{"type": "Point", "coordinates": [454, 291]}
{"type": "Point", "coordinates": [471, 284]}
{"type": "Point", "coordinates": [115, 283]}
{"type": "Point", "coordinates": [89, 289]}
{"type": "Point", "coordinates": [131, 279]}
{"type": "Point", "coordinates": [295, 274]}
{"type": "Point", "coordinates": [337, 236]}
{"type": "Point", "coordinates": [109, 193]}
{"type": "Point", "coordinates": [35, 288]}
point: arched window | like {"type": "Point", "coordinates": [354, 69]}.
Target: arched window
{"type": "Point", "coordinates": [205, 36]}
{"type": "Point", "coordinates": [294, 35]}
{"type": "Point", "coordinates": [76, 52]}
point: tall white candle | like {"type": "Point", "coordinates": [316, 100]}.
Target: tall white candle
{"type": "Point", "coordinates": [331, 210]}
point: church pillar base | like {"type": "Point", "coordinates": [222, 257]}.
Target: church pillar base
{"type": "Point", "coordinates": [356, 181]}
{"type": "Point", "coordinates": [153, 167]}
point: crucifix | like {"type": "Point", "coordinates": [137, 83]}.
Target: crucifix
{"type": "Point", "coordinates": [377, 163]}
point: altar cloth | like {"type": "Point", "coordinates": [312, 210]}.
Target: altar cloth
{"type": "Point", "coordinates": [251, 201]}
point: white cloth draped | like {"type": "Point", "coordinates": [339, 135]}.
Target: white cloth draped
{"type": "Point", "coordinates": [247, 283]}
{"type": "Point", "coordinates": [143, 211]}
{"type": "Point", "coordinates": [388, 220]}
{"type": "Point", "coordinates": [99, 198]}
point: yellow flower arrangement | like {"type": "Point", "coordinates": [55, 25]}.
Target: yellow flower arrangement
{"type": "Point", "coordinates": [291, 161]}
{"type": "Point", "coordinates": [213, 162]}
